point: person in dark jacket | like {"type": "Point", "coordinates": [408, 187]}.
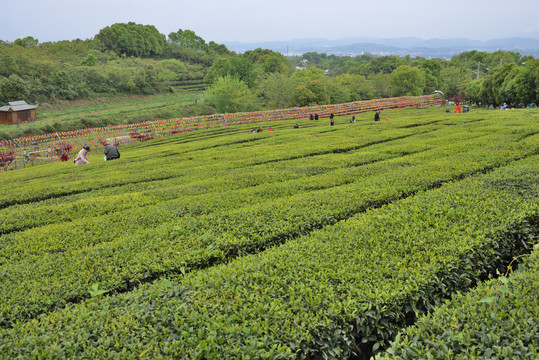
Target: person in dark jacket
{"type": "Point", "coordinates": [111, 152]}
{"type": "Point", "coordinates": [377, 116]}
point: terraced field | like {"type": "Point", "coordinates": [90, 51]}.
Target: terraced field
{"type": "Point", "coordinates": [317, 242]}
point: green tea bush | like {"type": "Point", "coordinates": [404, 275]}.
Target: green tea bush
{"type": "Point", "coordinates": [342, 290]}
{"type": "Point", "coordinates": [497, 320]}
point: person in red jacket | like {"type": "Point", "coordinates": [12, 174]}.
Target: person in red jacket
{"type": "Point", "coordinates": [457, 110]}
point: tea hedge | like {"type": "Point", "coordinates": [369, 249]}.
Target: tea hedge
{"type": "Point", "coordinates": [43, 182]}
{"type": "Point", "coordinates": [91, 183]}
{"type": "Point", "coordinates": [345, 289]}
{"type": "Point", "coordinates": [497, 320]}
{"type": "Point", "coordinates": [61, 262]}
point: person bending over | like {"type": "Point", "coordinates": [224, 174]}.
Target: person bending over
{"type": "Point", "coordinates": [111, 152]}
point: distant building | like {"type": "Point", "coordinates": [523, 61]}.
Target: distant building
{"type": "Point", "coordinates": [17, 112]}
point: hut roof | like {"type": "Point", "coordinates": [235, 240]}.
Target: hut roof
{"type": "Point", "coordinates": [18, 106]}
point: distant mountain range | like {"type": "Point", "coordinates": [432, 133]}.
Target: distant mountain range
{"type": "Point", "coordinates": [441, 48]}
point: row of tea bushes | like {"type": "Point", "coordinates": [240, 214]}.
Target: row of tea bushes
{"type": "Point", "coordinates": [497, 320]}
{"type": "Point", "coordinates": [345, 289]}
{"type": "Point", "coordinates": [198, 179]}
{"type": "Point", "coordinates": [61, 262]}
{"type": "Point", "coordinates": [113, 199]}
{"type": "Point", "coordinates": [293, 145]}
{"type": "Point", "coordinates": [45, 182]}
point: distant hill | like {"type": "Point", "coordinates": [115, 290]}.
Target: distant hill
{"type": "Point", "coordinates": [443, 48]}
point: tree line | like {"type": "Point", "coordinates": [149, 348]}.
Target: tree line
{"type": "Point", "coordinates": [137, 59]}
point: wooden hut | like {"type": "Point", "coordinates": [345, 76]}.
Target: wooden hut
{"type": "Point", "coordinates": [17, 112]}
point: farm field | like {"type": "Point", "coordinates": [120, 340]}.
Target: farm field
{"type": "Point", "coordinates": [317, 242]}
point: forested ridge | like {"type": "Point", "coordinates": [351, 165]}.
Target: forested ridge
{"type": "Point", "coordinates": [137, 59]}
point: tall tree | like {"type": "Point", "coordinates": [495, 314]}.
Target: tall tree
{"type": "Point", "coordinates": [407, 81]}
{"type": "Point", "coordinates": [132, 39]}
{"type": "Point", "coordinates": [235, 66]}
{"type": "Point", "coordinates": [229, 94]}
{"type": "Point", "coordinates": [188, 38]}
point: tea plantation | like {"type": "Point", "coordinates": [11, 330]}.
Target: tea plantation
{"type": "Point", "coordinates": [312, 243]}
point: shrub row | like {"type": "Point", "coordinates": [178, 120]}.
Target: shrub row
{"type": "Point", "coordinates": [342, 290]}
{"type": "Point", "coordinates": [60, 262]}
{"type": "Point", "coordinates": [195, 182]}
{"type": "Point", "coordinates": [497, 320]}
{"type": "Point", "coordinates": [157, 164]}
{"type": "Point", "coordinates": [92, 184]}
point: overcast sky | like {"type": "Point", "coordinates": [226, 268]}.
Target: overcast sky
{"type": "Point", "coordinates": [249, 20]}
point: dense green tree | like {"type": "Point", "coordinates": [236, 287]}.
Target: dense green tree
{"type": "Point", "coordinates": [132, 39]}
{"type": "Point", "coordinates": [277, 63]}
{"type": "Point", "coordinates": [27, 42]}
{"type": "Point", "coordinates": [453, 80]}
{"type": "Point", "coordinates": [498, 79]}
{"type": "Point", "coordinates": [407, 81]}
{"type": "Point", "coordinates": [526, 83]}
{"type": "Point", "coordinates": [384, 64]}
{"type": "Point", "coordinates": [381, 85]}
{"type": "Point", "coordinates": [236, 66]}
{"type": "Point", "coordinates": [338, 92]}
{"type": "Point", "coordinates": [218, 49]}
{"type": "Point", "coordinates": [277, 91]}
{"type": "Point", "coordinates": [13, 89]}
{"type": "Point", "coordinates": [229, 94]}
{"type": "Point", "coordinates": [473, 91]}
{"type": "Point", "coordinates": [90, 60]}
{"type": "Point", "coordinates": [188, 38]}
{"type": "Point", "coordinates": [8, 65]}
{"type": "Point", "coordinates": [310, 92]}
{"type": "Point", "coordinates": [314, 57]}
{"type": "Point", "coordinates": [269, 61]}
{"type": "Point", "coordinates": [350, 87]}
{"type": "Point", "coordinates": [312, 73]}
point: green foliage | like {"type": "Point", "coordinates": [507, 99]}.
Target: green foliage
{"type": "Point", "coordinates": [187, 46]}
{"type": "Point", "coordinates": [13, 89]}
{"type": "Point", "coordinates": [95, 291]}
{"type": "Point", "coordinates": [8, 66]}
{"type": "Point", "coordinates": [349, 87]}
{"type": "Point", "coordinates": [310, 93]}
{"type": "Point", "coordinates": [276, 91]}
{"type": "Point", "coordinates": [508, 84]}
{"type": "Point", "coordinates": [90, 60]}
{"type": "Point", "coordinates": [26, 42]}
{"type": "Point", "coordinates": [229, 94]}
{"type": "Point", "coordinates": [119, 56]}
{"type": "Point", "coordinates": [384, 64]}
{"type": "Point", "coordinates": [236, 66]}
{"type": "Point", "coordinates": [311, 88]}
{"type": "Point", "coordinates": [187, 38]}
{"type": "Point", "coordinates": [471, 327]}
{"type": "Point", "coordinates": [271, 62]}
{"type": "Point", "coordinates": [407, 81]}
{"type": "Point", "coordinates": [218, 49]}
{"type": "Point", "coordinates": [454, 80]}
{"type": "Point", "coordinates": [132, 39]}
{"type": "Point", "coordinates": [381, 85]}
{"type": "Point", "coordinates": [193, 222]}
